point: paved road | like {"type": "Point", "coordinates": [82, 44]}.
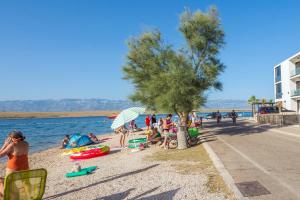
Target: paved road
{"type": "Point", "coordinates": [265, 154]}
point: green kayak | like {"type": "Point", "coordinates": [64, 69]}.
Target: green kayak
{"type": "Point", "coordinates": [82, 172]}
{"type": "Point", "coordinates": [138, 140]}
{"type": "Point", "coordinates": [134, 145]}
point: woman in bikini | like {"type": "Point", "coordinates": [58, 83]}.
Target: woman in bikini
{"type": "Point", "coordinates": [167, 124]}
{"type": "Point", "coordinates": [123, 132]}
{"type": "Point", "coordinates": [16, 149]}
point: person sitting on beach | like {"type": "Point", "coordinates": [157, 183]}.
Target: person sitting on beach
{"type": "Point", "coordinates": [136, 128]}
{"type": "Point", "coordinates": [132, 126]}
{"type": "Point", "coordinates": [16, 149]}
{"type": "Point", "coordinates": [93, 138]}
{"type": "Point", "coordinates": [155, 136]}
{"type": "Point", "coordinates": [65, 141]}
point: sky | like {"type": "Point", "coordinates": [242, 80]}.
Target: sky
{"type": "Point", "coordinates": [54, 49]}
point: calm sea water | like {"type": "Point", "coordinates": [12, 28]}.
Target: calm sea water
{"type": "Point", "coordinates": [48, 132]}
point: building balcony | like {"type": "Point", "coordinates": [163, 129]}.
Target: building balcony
{"type": "Point", "coordinates": [295, 73]}
{"type": "Point", "coordinates": [295, 93]}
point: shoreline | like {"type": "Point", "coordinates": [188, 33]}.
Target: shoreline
{"type": "Point", "coordinates": [31, 115]}
{"type": "Point", "coordinates": [98, 113]}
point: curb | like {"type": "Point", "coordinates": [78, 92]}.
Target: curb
{"type": "Point", "coordinates": [223, 172]}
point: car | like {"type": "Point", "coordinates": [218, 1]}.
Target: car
{"type": "Point", "coordinates": [268, 109]}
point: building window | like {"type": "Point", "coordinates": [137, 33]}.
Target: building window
{"type": "Point", "coordinates": [297, 68]}
{"type": "Point", "coordinates": [278, 91]}
{"type": "Point", "coordinates": [278, 74]}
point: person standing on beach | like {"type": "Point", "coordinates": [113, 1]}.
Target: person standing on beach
{"type": "Point", "coordinates": [153, 120]}
{"type": "Point", "coordinates": [147, 122]}
{"type": "Point", "coordinates": [233, 116]}
{"type": "Point", "coordinates": [16, 149]}
{"type": "Point", "coordinates": [123, 131]}
{"type": "Point", "coordinates": [167, 124]}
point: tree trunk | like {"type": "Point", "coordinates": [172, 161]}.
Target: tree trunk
{"type": "Point", "coordinates": [182, 132]}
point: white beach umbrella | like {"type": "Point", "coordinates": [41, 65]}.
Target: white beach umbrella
{"type": "Point", "coordinates": [126, 116]}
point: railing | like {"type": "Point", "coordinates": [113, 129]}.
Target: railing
{"type": "Point", "coordinates": [295, 72]}
{"type": "Point", "coordinates": [296, 93]}
{"type": "Point", "coordinates": [278, 95]}
{"type": "Point", "coordinates": [277, 78]}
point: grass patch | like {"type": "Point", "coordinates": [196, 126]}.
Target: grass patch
{"type": "Point", "coordinates": [195, 154]}
{"type": "Point", "coordinates": [215, 184]}
{"type": "Point", "coordinates": [190, 168]}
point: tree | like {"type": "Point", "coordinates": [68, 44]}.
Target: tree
{"type": "Point", "coordinates": [252, 100]}
{"type": "Point", "coordinates": [171, 80]}
{"type": "Point", "coordinates": [263, 101]}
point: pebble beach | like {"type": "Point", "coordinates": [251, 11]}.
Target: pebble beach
{"type": "Point", "coordinates": [127, 174]}
{"type": "Point", "coordinates": [124, 174]}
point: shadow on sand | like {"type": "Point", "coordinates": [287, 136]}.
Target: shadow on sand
{"type": "Point", "coordinates": [103, 181]}
{"type": "Point", "coordinates": [168, 195]}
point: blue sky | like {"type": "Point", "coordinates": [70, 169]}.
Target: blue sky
{"type": "Point", "coordinates": [55, 49]}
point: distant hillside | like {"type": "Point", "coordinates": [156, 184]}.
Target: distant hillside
{"type": "Point", "coordinates": [68, 105]}
{"type": "Point", "coordinates": [63, 105]}
{"type": "Point", "coordinates": [227, 104]}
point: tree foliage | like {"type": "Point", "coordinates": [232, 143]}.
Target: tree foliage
{"type": "Point", "coordinates": [252, 100]}
{"type": "Point", "coordinates": [173, 80]}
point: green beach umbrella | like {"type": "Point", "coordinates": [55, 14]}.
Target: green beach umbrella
{"type": "Point", "coordinates": [126, 116]}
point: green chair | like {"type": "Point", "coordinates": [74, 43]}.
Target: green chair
{"type": "Point", "coordinates": [25, 185]}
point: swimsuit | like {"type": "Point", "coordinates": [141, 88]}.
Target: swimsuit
{"type": "Point", "coordinates": [17, 163]}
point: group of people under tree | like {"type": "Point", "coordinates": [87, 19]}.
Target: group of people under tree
{"type": "Point", "coordinates": [156, 129]}
{"type": "Point", "coordinates": [164, 127]}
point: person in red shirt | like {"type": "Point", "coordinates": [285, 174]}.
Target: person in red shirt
{"type": "Point", "coordinates": [147, 122]}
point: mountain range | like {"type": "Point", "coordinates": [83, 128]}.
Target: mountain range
{"type": "Point", "coordinates": [67, 105]}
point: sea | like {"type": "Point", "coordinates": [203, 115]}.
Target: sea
{"type": "Point", "coordinates": [45, 133]}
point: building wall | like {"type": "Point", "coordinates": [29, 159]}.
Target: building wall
{"type": "Point", "coordinates": [287, 86]}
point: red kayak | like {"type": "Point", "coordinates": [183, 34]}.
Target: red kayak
{"type": "Point", "coordinates": [112, 116]}
{"type": "Point", "coordinates": [92, 153]}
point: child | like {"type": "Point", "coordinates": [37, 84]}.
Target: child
{"type": "Point", "coordinates": [65, 141]}
{"type": "Point", "coordinates": [147, 122]}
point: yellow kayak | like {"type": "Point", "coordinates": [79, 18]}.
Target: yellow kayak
{"type": "Point", "coordinates": [80, 149]}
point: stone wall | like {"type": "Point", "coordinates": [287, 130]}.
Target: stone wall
{"type": "Point", "coordinates": [279, 119]}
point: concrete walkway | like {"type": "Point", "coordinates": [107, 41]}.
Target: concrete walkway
{"type": "Point", "coordinates": [263, 155]}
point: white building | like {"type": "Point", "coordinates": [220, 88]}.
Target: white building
{"type": "Point", "coordinates": [287, 83]}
